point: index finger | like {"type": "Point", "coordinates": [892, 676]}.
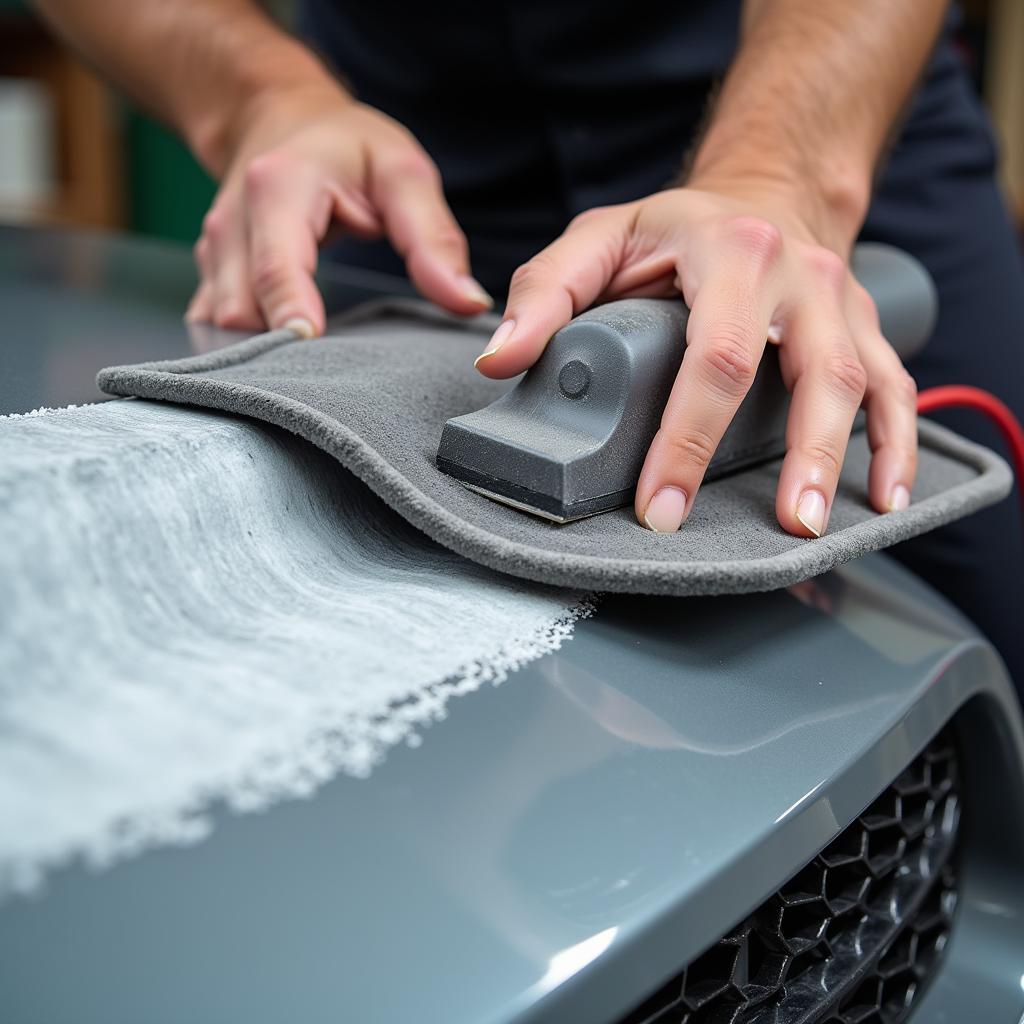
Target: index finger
{"type": "Point", "coordinates": [426, 235]}
{"type": "Point", "coordinates": [288, 213]}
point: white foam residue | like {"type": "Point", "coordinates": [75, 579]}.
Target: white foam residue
{"type": "Point", "coordinates": [199, 609]}
{"type": "Point", "coordinates": [43, 410]}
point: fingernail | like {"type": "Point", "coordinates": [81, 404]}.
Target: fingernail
{"type": "Point", "coordinates": [500, 336]}
{"type": "Point", "coordinates": [899, 499]}
{"type": "Point", "coordinates": [810, 510]}
{"type": "Point", "coordinates": [474, 291]}
{"type": "Point", "coordinates": [301, 326]}
{"type": "Point", "coordinates": [665, 510]}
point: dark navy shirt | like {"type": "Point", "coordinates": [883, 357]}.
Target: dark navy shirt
{"type": "Point", "coordinates": [536, 110]}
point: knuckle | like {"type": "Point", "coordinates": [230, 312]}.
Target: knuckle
{"type": "Point", "coordinates": [759, 238]}
{"type": "Point", "coordinates": [410, 164]}
{"type": "Point", "coordinates": [862, 297]}
{"type": "Point", "coordinates": [532, 273]}
{"type": "Point", "coordinates": [201, 249]}
{"type": "Point", "coordinates": [214, 224]}
{"type": "Point", "coordinates": [589, 215]}
{"type": "Point", "coordinates": [269, 271]}
{"type": "Point", "coordinates": [232, 314]}
{"type": "Point", "coordinates": [827, 266]}
{"type": "Point", "coordinates": [447, 237]}
{"type": "Point", "coordinates": [905, 387]}
{"type": "Point", "coordinates": [845, 374]}
{"type": "Point", "coordinates": [824, 455]}
{"type": "Point", "coordinates": [694, 448]}
{"type": "Point", "coordinates": [728, 363]}
{"type": "Point", "coordinates": [907, 453]}
{"type": "Point", "coordinates": [264, 170]}
{"type": "Point", "coordinates": [582, 219]}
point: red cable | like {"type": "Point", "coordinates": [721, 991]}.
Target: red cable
{"type": "Point", "coordinates": [959, 395]}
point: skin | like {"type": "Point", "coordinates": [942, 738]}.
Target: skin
{"type": "Point", "coordinates": [756, 239]}
{"type": "Point", "coordinates": [296, 156]}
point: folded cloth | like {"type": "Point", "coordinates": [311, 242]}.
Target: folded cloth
{"type": "Point", "coordinates": [376, 391]}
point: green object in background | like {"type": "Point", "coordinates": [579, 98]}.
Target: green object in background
{"type": "Point", "coordinates": [168, 192]}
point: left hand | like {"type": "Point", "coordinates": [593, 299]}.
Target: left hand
{"type": "Point", "coordinates": [751, 267]}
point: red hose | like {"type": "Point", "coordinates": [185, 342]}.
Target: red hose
{"type": "Point", "coordinates": [960, 396]}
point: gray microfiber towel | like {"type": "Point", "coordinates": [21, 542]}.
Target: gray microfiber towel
{"type": "Point", "coordinates": [376, 392]}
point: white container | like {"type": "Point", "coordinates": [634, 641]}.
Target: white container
{"type": "Point", "coordinates": [27, 129]}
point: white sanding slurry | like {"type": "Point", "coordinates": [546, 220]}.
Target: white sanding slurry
{"type": "Point", "coordinates": [196, 608]}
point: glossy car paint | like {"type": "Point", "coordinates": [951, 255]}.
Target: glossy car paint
{"type": "Point", "coordinates": [562, 844]}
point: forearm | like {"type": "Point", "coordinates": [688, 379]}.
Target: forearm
{"type": "Point", "coordinates": [203, 66]}
{"type": "Point", "coordinates": [811, 98]}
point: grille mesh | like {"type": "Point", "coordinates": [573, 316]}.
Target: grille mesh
{"type": "Point", "coordinates": [855, 936]}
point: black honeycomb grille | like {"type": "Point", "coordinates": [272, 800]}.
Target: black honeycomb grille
{"type": "Point", "coordinates": [855, 936]}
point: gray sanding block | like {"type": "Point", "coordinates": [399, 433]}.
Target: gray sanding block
{"type": "Point", "coordinates": [570, 439]}
{"type": "Point", "coordinates": [376, 392]}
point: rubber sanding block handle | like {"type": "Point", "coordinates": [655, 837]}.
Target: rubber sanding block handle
{"type": "Point", "coordinates": [906, 297]}
{"type": "Point", "coordinates": [569, 439]}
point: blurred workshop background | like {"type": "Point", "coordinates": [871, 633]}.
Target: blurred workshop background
{"type": "Point", "coordinates": [74, 152]}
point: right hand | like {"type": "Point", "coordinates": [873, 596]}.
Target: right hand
{"type": "Point", "coordinates": [303, 163]}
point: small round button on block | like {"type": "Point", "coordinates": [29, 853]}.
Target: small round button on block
{"type": "Point", "coordinates": [574, 379]}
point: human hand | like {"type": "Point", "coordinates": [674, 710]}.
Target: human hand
{"type": "Point", "coordinates": [308, 159]}
{"type": "Point", "coordinates": [751, 269]}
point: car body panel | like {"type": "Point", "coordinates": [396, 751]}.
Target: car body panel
{"type": "Point", "coordinates": [561, 844]}
{"type": "Point", "coordinates": [555, 847]}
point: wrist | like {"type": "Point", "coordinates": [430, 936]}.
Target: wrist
{"type": "Point", "coordinates": [830, 199]}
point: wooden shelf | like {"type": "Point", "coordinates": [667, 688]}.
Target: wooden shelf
{"type": "Point", "coordinates": [1004, 88]}
{"type": "Point", "coordinates": [88, 144]}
